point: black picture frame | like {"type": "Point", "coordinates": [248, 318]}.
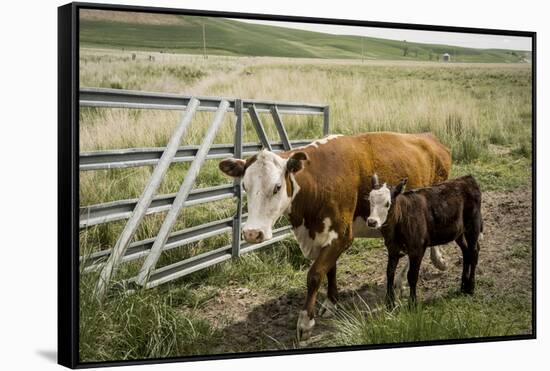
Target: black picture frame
{"type": "Point", "coordinates": [68, 179]}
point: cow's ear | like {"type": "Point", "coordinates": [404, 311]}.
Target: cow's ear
{"type": "Point", "coordinates": [400, 188]}
{"type": "Point", "coordinates": [295, 162]}
{"type": "Point", "coordinates": [234, 167]}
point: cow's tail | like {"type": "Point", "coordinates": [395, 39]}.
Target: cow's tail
{"type": "Point", "coordinates": [437, 258]}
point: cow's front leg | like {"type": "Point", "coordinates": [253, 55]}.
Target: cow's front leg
{"type": "Point", "coordinates": [401, 279]}
{"type": "Point", "coordinates": [324, 263]}
{"type": "Point", "coordinates": [306, 319]}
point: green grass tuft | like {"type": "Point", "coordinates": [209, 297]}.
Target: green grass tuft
{"type": "Point", "coordinates": [143, 325]}
{"type": "Point", "coordinates": [455, 317]}
{"type": "Point", "coordinates": [493, 173]}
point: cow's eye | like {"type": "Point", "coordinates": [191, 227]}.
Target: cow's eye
{"type": "Point", "coordinates": [276, 189]}
{"type": "Point", "coordinates": [388, 204]}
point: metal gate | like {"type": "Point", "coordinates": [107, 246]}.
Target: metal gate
{"type": "Point", "coordinates": [135, 210]}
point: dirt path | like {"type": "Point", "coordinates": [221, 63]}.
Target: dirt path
{"type": "Point", "coordinates": [254, 321]}
{"type": "Point", "coordinates": [203, 85]}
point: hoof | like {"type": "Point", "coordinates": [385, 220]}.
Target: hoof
{"type": "Point", "coordinates": [401, 288]}
{"type": "Point", "coordinates": [437, 259]}
{"type": "Point", "coordinates": [467, 289]}
{"type": "Point", "coordinates": [328, 309]}
{"type": "Point", "coordinates": [304, 327]}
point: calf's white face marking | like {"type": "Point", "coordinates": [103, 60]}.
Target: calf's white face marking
{"type": "Point", "coordinates": [312, 247]}
{"type": "Point", "coordinates": [380, 202]}
{"type": "Point", "coordinates": [265, 186]}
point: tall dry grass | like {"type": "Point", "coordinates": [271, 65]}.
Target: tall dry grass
{"type": "Point", "coordinates": [467, 106]}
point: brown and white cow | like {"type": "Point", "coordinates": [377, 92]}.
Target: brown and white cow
{"type": "Point", "coordinates": [322, 188]}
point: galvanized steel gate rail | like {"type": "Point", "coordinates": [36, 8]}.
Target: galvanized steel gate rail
{"type": "Point", "coordinates": [135, 209]}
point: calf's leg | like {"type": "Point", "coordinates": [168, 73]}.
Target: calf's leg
{"type": "Point", "coordinates": [393, 260]}
{"type": "Point", "coordinates": [415, 259]}
{"type": "Point", "coordinates": [473, 253]}
{"type": "Point", "coordinates": [466, 262]}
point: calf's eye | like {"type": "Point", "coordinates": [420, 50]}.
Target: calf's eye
{"type": "Point", "coordinates": [276, 189]}
{"type": "Point", "coordinates": [387, 204]}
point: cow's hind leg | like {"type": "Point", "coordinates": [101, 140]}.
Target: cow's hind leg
{"type": "Point", "coordinates": [400, 282]}
{"type": "Point", "coordinates": [328, 308]}
{"type": "Point", "coordinates": [437, 258]}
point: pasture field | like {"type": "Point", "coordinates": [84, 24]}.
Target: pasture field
{"type": "Point", "coordinates": [223, 36]}
{"type": "Point", "coordinates": [481, 111]}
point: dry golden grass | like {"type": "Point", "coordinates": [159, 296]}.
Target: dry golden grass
{"type": "Point", "coordinates": [479, 102]}
{"type": "Point", "coordinates": [130, 17]}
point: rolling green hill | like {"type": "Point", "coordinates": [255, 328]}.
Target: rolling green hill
{"type": "Point", "coordinates": [183, 34]}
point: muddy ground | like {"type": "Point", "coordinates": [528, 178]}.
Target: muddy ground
{"type": "Point", "coordinates": [253, 321]}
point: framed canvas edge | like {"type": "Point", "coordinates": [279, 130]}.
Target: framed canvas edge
{"type": "Point", "coordinates": [68, 182]}
{"type": "Point", "coordinates": [68, 177]}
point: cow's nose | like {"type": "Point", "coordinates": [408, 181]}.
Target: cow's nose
{"type": "Point", "coordinates": [253, 235]}
{"type": "Point", "coordinates": [371, 223]}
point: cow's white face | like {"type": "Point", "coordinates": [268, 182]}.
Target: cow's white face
{"type": "Point", "coordinates": [380, 202]}
{"type": "Point", "coordinates": [264, 178]}
{"type": "Point", "coordinates": [265, 185]}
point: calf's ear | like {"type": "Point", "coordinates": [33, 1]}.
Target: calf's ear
{"type": "Point", "coordinates": [400, 188]}
{"type": "Point", "coordinates": [374, 181]}
{"type": "Point", "coordinates": [234, 167]}
{"type": "Point", "coordinates": [295, 162]}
